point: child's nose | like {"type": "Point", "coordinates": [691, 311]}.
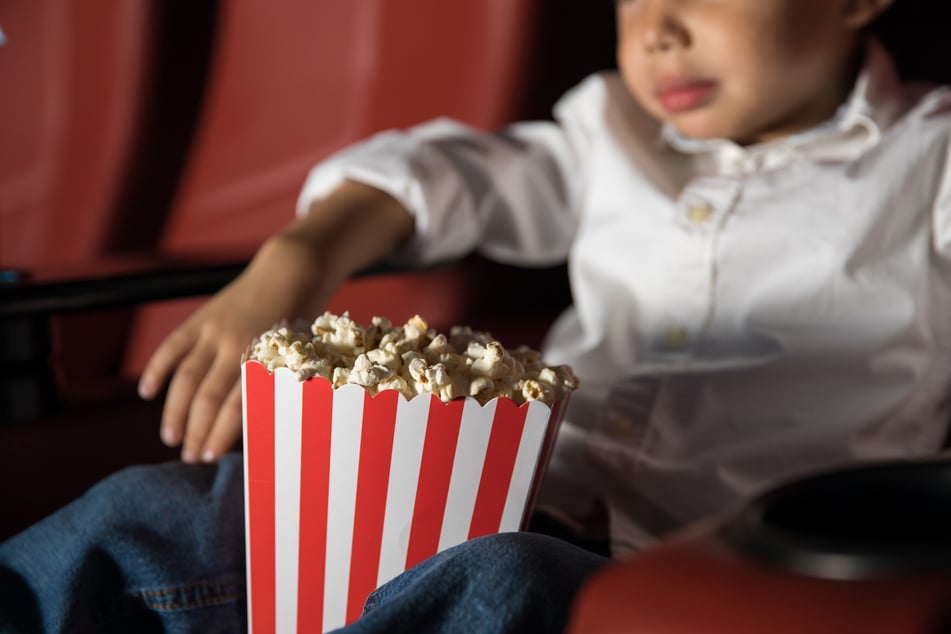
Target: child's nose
{"type": "Point", "coordinates": [662, 29]}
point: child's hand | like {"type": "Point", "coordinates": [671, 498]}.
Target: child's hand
{"type": "Point", "coordinates": [292, 276]}
{"type": "Point", "coordinates": [203, 407]}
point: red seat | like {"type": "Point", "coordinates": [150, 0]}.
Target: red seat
{"type": "Point", "coordinates": [858, 548]}
{"type": "Point", "coordinates": [72, 76]}
{"type": "Point", "coordinates": [99, 155]}
{"type": "Point", "coordinates": [292, 81]}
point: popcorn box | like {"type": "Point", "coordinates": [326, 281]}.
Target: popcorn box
{"type": "Point", "coordinates": [344, 491]}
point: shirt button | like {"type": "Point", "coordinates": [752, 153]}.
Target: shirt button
{"type": "Point", "coordinates": [619, 426]}
{"type": "Point", "coordinates": [676, 336]}
{"type": "Point", "coordinates": [699, 213]}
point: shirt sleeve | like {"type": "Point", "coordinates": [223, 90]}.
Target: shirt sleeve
{"type": "Point", "coordinates": [941, 213]}
{"type": "Point", "coordinates": [512, 195]}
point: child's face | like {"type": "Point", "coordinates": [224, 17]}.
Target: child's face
{"type": "Point", "coordinates": [746, 70]}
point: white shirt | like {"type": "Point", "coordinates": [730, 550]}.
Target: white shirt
{"type": "Point", "coordinates": [741, 314]}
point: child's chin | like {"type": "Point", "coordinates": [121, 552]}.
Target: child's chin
{"type": "Point", "coordinates": [699, 125]}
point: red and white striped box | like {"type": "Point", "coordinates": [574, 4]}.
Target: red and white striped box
{"type": "Point", "coordinates": [344, 491]}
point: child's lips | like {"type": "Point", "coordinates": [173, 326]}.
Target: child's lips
{"type": "Point", "coordinates": [681, 95]}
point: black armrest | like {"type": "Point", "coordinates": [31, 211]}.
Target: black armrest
{"type": "Point", "coordinates": [514, 300]}
{"type": "Point", "coordinates": [28, 298]}
{"type": "Point", "coordinates": [48, 294]}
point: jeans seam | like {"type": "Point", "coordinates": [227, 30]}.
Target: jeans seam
{"type": "Point", "coordinates": [372, 600]}
{"type": "Point", "coordinates": [153, 599]}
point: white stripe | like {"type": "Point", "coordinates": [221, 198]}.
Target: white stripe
{"type": "Point", "coordinates": [466, 471]}
{"type": "Point", "coordinates": [247, 515]}
{"type": "Point", "coordinates": [346, 427]}
{"type": "Point", "coordinates": [287, 459]}
{"type": "Point", "coordinates": [408, 438]}
{"type": "Point", "coordinates": [529, 448]}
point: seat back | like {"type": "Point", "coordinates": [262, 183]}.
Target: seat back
{"type": "Point", "coordinates": [73, 77]}
{"type": "Point", "coordinates": [291, 81]}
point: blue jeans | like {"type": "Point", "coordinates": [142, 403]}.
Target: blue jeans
{"type": "Point", "coordinates": [161, 549]}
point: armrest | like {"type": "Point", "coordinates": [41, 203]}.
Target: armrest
{"type": "Point", "coordinates": [50, 318]}
{"type": "Point", "coordinates": [861, 548]}
{"type": "Point", "coordinates": [110, 284]}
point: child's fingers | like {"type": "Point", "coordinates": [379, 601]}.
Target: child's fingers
{"type": "Point", "coordinates": [206, 404]}
{"type": "Point", "coordinates": [181, 392]}
{"type": "Point", "coordinates": [167, 355]}
{"type": "Point", "coordinates": [226, 429]}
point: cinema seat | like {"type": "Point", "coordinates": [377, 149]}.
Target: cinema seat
{"type": "Point", "coordinates": [858, 548]}
{"type": "Point", "coordinates": [222, 108]}
{"type": "Point", "coordinates": [74, 81]}
{"type": "Point", "coordinates": [290, 82]}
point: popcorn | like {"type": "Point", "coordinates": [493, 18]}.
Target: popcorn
{"type": "Point", "coordinates": [344, 492]}
{"type": "Point", "coordinates": [413, 359]}
{"type": "Point", "coordinates": [283, 348]}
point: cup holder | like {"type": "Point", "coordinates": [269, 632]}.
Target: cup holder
{"type": "Point", "coordinates": [860, 522]}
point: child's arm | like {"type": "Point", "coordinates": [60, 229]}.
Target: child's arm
{"type": "Point", "coordinates": [292, 275]}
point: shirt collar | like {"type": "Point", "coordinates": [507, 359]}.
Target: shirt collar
{"type": "Point", "coordinates": [857, 125]}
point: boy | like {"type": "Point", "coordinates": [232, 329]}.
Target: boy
{"type": "Point", "coordinates": [725, 254]}
{"type": "Point", "coordinates": [755, 213]}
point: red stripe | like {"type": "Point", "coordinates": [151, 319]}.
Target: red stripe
{"type": "Point", "coordinates": [316, 416]}
{"type": "Point", "coordinates": [500, 455]}
{"type": "Point", "coordinates": [554, 420]}
{"type": "Point", "coordinates": [376, 451]}
{"type": "Point", "coordinates": [435, 470]}
{"type": "Point", "coordinates": [259, 399]}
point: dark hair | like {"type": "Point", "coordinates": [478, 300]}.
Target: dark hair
{"type": "Point", "coordinates": [915, 32]}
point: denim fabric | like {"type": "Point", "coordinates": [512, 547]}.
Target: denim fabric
{"type": "Point", "coordinates": [508, 583]}
{"type": "Point", "coordinates": [161, 549]}
{"type": "Point", "coordinates": [149, 549]}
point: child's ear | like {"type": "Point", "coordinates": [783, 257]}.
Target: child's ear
{"type": "Point", "coordinates": [857, 14]}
